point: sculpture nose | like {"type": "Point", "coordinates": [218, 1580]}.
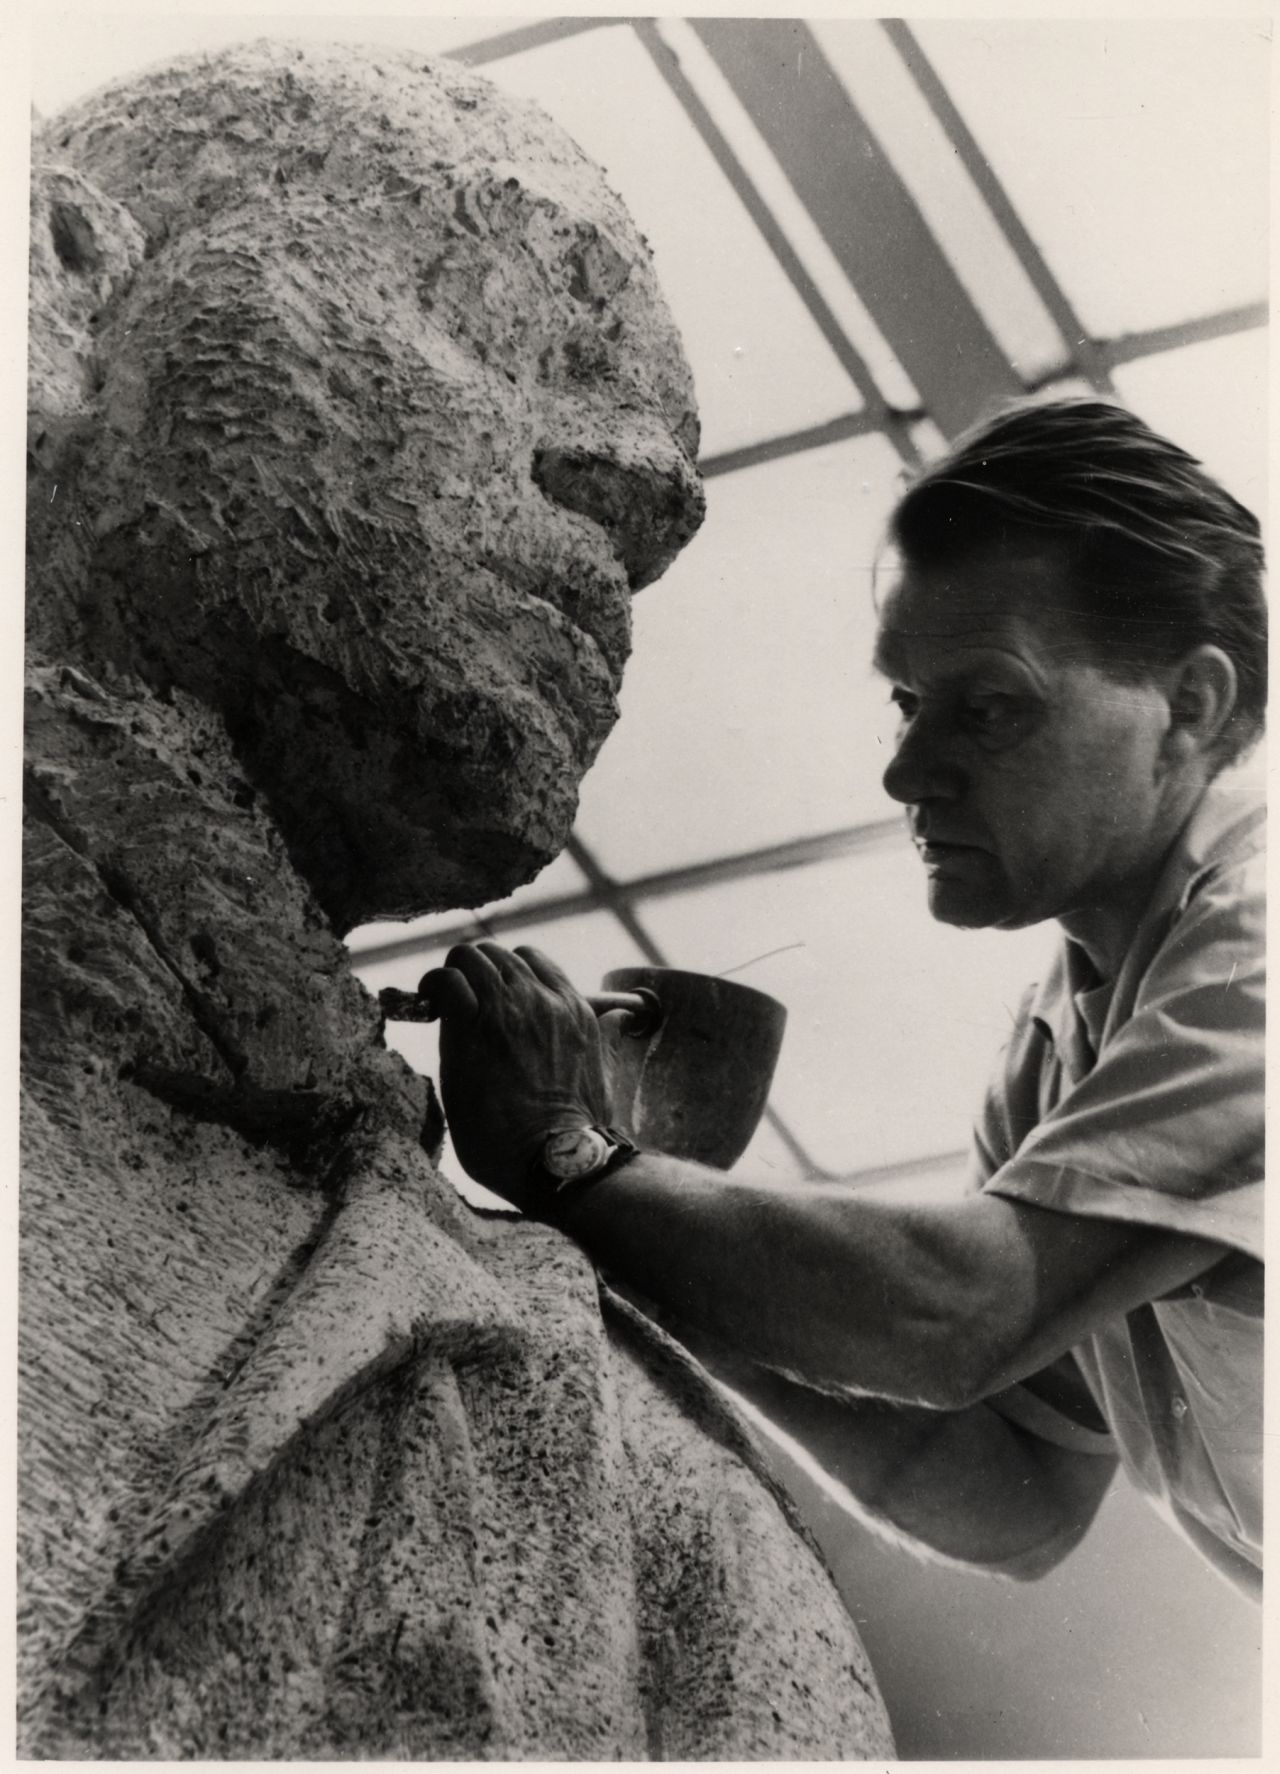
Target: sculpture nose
{"type": "Point", "coordinates": [647, 497]}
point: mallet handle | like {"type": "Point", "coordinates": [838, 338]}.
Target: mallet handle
{"type": "Point", "coordinates": [413, 1007]}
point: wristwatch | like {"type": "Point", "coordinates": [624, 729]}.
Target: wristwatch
{"type": "Point", "coordinates": [577, 1155]}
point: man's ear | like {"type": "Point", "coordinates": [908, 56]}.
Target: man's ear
{"type": "Point", "coordinates": [1202, 690]}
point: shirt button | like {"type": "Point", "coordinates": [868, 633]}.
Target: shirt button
{"type": "Point", "coordinates": [1178, 1406]}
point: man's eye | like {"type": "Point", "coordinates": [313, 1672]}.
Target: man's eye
{"type": "Point", "coordinates": [989, 714]}
{"type": "Point", "coordinates": [905, 703]}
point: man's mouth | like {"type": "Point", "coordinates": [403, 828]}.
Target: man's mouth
{"type": "Point", "coordinates": [940, 850]}
{"type": "Point", "coordinates": [933, 840]}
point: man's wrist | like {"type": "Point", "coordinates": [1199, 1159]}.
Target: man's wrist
{"type": "Point", "coordinates": [571, 1159]}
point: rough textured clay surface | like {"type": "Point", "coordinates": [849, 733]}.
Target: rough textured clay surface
{"type": "Point", "coordinates": [356, 418]}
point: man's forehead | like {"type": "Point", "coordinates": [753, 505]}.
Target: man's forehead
{"type": "Point", "coordinates": [999, 601]}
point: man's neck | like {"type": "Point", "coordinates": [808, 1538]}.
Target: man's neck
{"type": "Point", "coordinates": [1106, 928]}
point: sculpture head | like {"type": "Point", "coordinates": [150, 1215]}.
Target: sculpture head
{"type": "Point", "coordinates": [383, 422]}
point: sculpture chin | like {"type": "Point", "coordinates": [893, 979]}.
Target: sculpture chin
{"type": "Point", "coordinates": [418, 798]}
{"type": "Point", "coordinates": [419, 725]}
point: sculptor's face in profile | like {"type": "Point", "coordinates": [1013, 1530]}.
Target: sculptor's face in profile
{"type": "Point", "coordinates": [1035, 780]}
{"type": "Point", "coordinates": [420, 420]}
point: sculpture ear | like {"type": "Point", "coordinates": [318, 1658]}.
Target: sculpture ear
{"type": "Point", "coordinates": [1203, 693]}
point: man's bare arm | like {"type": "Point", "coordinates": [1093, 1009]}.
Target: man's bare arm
{"type": "Point", "coordinates": [935, 1306]}
{"type": "Point", "coordinates": [939, 1304]}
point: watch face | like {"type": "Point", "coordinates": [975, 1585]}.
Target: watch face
{"type": "Point", "coordinates": [574, 1152]}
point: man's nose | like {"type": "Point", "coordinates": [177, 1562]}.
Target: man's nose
{"type": "Point", "coordinates": [642, 490]}
{"type": "Point", "coordinates": [923, 766]}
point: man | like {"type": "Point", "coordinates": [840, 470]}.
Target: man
{"type": "Point", "coordinates": [1076, 646]}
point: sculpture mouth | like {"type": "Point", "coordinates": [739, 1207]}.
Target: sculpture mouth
{"type": "Point", "coordinates": [604, 634]}
{"type": "Point", "coordinates": [588, 602]}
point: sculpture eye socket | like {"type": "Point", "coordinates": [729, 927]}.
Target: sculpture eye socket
{"type": "Point", "coordinates": [594, 268]}
{"type": "Point", "coordinates": [73, 238]}
{"type": "Point", "coordinates": [588, 355]}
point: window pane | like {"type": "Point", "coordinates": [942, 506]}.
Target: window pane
{"type": "Point", "coordinates": [760, 364]}
{"type": "Point", "coordinates": [749, 711]}
{"type": "Point", "coordinates": [802, 232]}
{"type": "Point", "coordinates": [1136, 152]}
{"type": "Point", "coordinates": [900, 117]}
{"type": "Point", "coordinates": [1212, 399]}
{"type": "Point", "coordinates": [894, 1020]}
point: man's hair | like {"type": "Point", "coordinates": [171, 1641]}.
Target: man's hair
{"type": "Point", "coordinates": [1161, 559]}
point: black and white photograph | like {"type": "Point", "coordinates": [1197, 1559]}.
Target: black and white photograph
{"type": "Point", "coordinates": [642, 999]}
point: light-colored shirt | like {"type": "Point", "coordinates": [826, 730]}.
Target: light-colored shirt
{"type": "Point", "coordinates": [1141, 1100]}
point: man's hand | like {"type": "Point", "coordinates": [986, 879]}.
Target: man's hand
{"type": "Point", "coordinates": [522, 1055]}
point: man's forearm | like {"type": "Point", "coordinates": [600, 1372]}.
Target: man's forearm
{"type": "Point", "coordinates": [939, 1303]}
{"type": "Point", "coordinates": [808, 1279]}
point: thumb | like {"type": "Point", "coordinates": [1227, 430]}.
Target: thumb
{"type": "Point", "coordinates": [615, 1038]}
{"type": "Point", "coordinates": [448, 993]}
{"type": "Point", "coordinates": [615, 1026]}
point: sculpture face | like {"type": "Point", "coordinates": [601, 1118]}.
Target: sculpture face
{"type": "Point", "coordinates": [392, 421]}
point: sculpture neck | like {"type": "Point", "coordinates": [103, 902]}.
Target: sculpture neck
{"type": "Point", "coordinates": [190, 937]}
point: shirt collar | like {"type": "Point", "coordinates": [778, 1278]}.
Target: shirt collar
{"type": "Point", "coordinates": [1068, 1008]}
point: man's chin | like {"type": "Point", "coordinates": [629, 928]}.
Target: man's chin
{"type": "Point", "coordinates": [964, 905]}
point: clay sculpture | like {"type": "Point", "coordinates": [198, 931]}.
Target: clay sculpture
{"type": "Point", "coordinates": [356, 420]}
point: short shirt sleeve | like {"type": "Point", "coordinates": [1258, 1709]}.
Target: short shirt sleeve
{"type": "Point", "coordinates": [1166, 1130]}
